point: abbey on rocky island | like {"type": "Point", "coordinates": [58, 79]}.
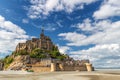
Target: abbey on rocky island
{"type": "Point", "coordinates": [41, 55]}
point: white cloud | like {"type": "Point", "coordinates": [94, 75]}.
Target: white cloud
{"type": "Point", "coordinates": [50, 27]}
{"type": "Point", "coordinates": [25, 21]}
{"type": "Point", "coordinates": [85, 26]}
{"type": "Point", "coordinates": [59, 24]}
{"type": "Point", "coordinates": [105, 35]}
{"type": "Point", "coordinates": [11, 34]}
{"type": "Point", "coordinates": [64, 49]}
{"type": "Point", "coordinates": [109, 8]}
{"type": "Point", "coordinates": [47, 27]}
{"type": "Point", "coordinates": [107, 55]}
{"type": "Point", "coordinates": [72, 37]}
{"type": "Point", "coordinates": [103, 32]}
{"type": "Point", "coordinates": [44, 7]}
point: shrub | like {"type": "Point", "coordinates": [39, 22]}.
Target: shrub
{"type": "Point", "coordinates": [8, 61]}
{"type": "Point", "coordinates": [21, 52]}
{"type": "Point", "coordinates": [30, 71]}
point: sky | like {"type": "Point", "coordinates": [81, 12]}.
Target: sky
{"type": "Point", "coordinates": [83, 29]}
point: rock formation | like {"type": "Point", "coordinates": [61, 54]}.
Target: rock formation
{"type": "Point", "coordinates": [19, 62]}
{"type": "Point", "coordinates": [41, 55]}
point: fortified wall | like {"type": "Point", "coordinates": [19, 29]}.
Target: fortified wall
{"type": "Point", "coordinates": [56, 65]}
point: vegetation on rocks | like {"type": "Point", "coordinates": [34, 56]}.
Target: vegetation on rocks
{"type": "Point", "coordinates": [21, 52]}
{"type": "Point", "coordinates": [7, 61]}
{"type": "Point", "coordinates": [37, 53]}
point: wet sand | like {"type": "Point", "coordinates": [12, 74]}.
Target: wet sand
{"type": "Point", "coordinates": [102, 77]}
{"type": "Point", "coordinates": [70, 75]}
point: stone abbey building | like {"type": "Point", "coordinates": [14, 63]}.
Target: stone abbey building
{"type": "Point", "coordinates": [44, 43]}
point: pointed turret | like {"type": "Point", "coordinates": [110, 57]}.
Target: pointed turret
{"type": "Point", "coordinates": [42, 32]}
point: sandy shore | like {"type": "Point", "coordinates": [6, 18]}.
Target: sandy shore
{"type": "Point", "coordinates": [96, 75]}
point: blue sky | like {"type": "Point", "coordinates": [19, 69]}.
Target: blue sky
{"type": "Point", "coordinates": [83, 29]}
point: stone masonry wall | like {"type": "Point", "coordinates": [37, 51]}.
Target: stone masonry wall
{"type": "Point", "coordinates": [41, 69]}
{"type": "Point", "coordinates": [71, 68]}
{"type": "Point", "coordinates": [60, 67]}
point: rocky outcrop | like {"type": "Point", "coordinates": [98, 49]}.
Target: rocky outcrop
{"type": "Point", "coordinates": [19, 62]}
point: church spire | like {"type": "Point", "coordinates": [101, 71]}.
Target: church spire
{"type": "Point", "coordinates": [42, 32]}
{"type": "Point", "coordinates": [42, 28]}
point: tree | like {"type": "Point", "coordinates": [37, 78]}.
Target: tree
{"type": "Point", "coordinates": [8, 61]}
{"type": "Point", "coordinates": [55, 54]}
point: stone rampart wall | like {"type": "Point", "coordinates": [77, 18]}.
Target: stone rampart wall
{"type": "Point", "coordinates": [62, 67]}
{"type": "Point", "coordinates": [41, 69]}
{"type": "Point", "coordinates": [71, 68]}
